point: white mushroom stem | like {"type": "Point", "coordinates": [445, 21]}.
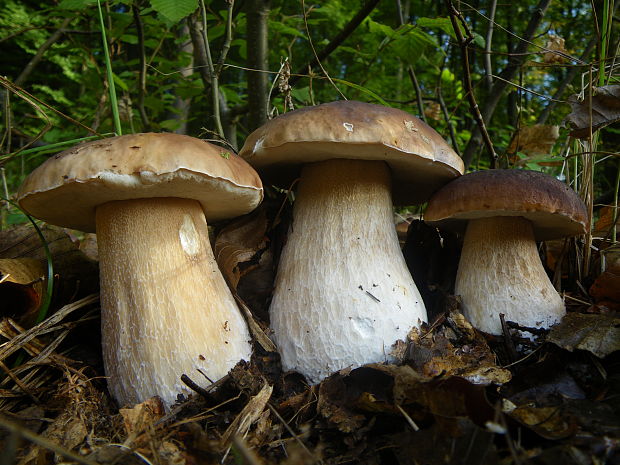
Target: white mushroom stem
{"type": "Point", "coordinates": [500, 272]}
{"type": "Point", "coordinates": [165, 308]}
{"type": "Point", "coordinates": [343, 293]}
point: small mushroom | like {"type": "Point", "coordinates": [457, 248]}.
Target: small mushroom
{"type": "Point", "coordinates": [165, 308]}
{"type": "Point", "coordinates": [505, 212]}
{"type": "Point", "coordinates": [343, 294]}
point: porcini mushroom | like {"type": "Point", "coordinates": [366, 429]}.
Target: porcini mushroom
{"type": "Point", "coordinates": [165, 308]}
{"type": "Point", "coordinates": [343, 294]}
{"type": "Point", "coordinates": [505, 212]}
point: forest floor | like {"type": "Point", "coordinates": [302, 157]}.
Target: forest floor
{"type": "Point", "coordinates": [456, 396]}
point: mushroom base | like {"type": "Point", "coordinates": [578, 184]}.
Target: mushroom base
{"type": "Point", "coordinates": [343, 294]}
{"type": "Point", "coordinates": [165, 308]}
{"type": "Point", "coordinates": [500, 272]}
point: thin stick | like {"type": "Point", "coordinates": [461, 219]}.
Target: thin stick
{"type": "Point", "coordinates": [146, 124]}
{"type": "Point", "coordinates": [215, 95]}
{"type": "Point", "coordinates": [108, 65]}
{"type": "Point", "coordinates": [40, 441]}
{"type": "Point", "coordinates": [318, 60]}
{"type": "Point", "coordinates": [463, 43]}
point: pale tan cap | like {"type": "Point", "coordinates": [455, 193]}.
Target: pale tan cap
{"type": "Point", "coordinates": [554, 209]}
{"type": "Point", "coordinates": [67, 188]}
{"type": "Point", "coordinates": [420, 159]}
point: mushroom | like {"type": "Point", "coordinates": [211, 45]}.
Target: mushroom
{"type": "Point", "coordinates": [165, 307]}
{"type": "Point", "coordinates": [505, 212]}
{"type": "Point", "coordinates": [343, 294]}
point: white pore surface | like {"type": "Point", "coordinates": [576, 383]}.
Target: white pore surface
{"type": "Point", "coordinates": [343, 293]}
{"type": "Point", "coordinates": [500, 272]}
{"type": "Point", "coordinates": [165, 307]}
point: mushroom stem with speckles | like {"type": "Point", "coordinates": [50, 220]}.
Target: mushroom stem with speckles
{"type": "Point", "coordinates": [500, 272]}
{"type": "Point", "coordinates": [343, 294]}
{"type": "Point", "coordinates": [165, 308]}
{"type": "Point", "coordinates": [505, 212]}
{"type": "Point", "coordinates": [345, 304]}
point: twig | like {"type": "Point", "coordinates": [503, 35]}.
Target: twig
{"type": "Point", "coordinates": [227, 39]}
{"type": "Point", "coordinates": [42, 442]}
{"type": "Point", "coordinates": [487, 48]}
{"type": "Point", "coordinates": [408, 418]}
{"type": "Point", "coordinates": [512, 352]}
{"type": "Point", "coordinates": [41, 51]}
{"type": "Point", "coordinates": [316, 57]}
{"type": "Point", "coordinates": [411, 71]}
{"type": "Point", "coordinates": [108, 65]}
{"type": "Point", "coordinates": [337, 40]}
{"type": "Point", "coordinates": [146, 124]}
{"type": "Point", "coordinates": [463, 43]}
{"type": "Point", "coordinates": [215, 98]}
{"type": "Point", "coordinates": [290, 430]}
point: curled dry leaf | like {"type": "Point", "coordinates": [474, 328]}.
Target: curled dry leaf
{"type": "Point", "coordinates": [454, 349]}
{"type": "Point", "coordinates": [22, 288]}
{"type": "Point", "coordinates": [139, 417]}
{"type": "Point", "coordinates": [598, 334]}
{"type": "Point", "coordinates": [556, 52]}
{"type": "Point", "coordinates": [605, 111]}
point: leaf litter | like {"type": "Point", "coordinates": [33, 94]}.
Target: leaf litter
{"type": "Point", "coordinates": [454, 396]}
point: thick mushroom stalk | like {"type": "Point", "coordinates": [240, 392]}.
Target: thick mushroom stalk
{"type": "Point", "coordinates": [500, 272]}
{"type": "Point", "coordinates": [343, 293]}
{"type": "Point", "coordinates": [166, 310]}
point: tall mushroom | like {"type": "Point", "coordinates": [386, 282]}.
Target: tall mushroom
{"type": "Point", "coordinates": [165, 308]}
{"type": "Point", "coordinates": [506, 212]}
{"type": "Point", "coordinates": [343, 294]}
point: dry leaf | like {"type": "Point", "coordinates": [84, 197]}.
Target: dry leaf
{"type": "Point", "coordinates": [534, 140]}
{"type": "Point", "coordinates": [22, 288]}
{"type": "Point", "coordinates": [239, 243]}
{"type": "Point", "coordinates": [605, 111]}
{"type": "Point", "coordinates": [250, 413]}
{"type": "Point", "coordinates": [607, 285]}
{"type": "Point", "coordinates": [599, 334]}
{"type": "Point", "coordinates": [454, 349]}
{"type": "Point", "coordinates": [140, 416]}
{"type": "Point", "coordinates": [432, 110]}
{"type": "Point", "coordinates": [555, 44]}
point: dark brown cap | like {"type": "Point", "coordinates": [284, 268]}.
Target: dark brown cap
{"type": "Point", "coordinates": [554, 209]}
{"type": "Point", "coordinates": [420, 159]}
{"type": "Point", "coordinates": [67, 188]}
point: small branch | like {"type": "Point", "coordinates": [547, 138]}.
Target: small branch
{"type": "Point", "coordinates": [227, 40]}
{"type": "Point", "coordinates": [464, 43]}
{"type": "Point", "coordinates": [146, 124]}
{"type": "Point", "coordinates": [487, 48]}
{"type": "Point", "coordinates": [411, 71]}
{"type": "Point", "coordinates": [25, 74]}
{"type": "Point", "coordinates": [316, 57]}
{"type": "Point", "coordinates": [336, 41]}
{"type": "Point", "coordinates": [215, 98]}
{"type": "Point", "coordinates": [446, 116]}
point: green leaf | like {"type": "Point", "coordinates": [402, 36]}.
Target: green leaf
{"type": "Point", "coordinates": [362, 89]}
{"type": "Point", "coordinates": [120, 83]}
{"type": "Point", "coordinates": [411, 47]}
{"type": "Point", "coordinates": [440, 23]}
{"type": "Point", "coordinates": [76, 4]}
{"type": "Point", "coordinates": [174, 10]}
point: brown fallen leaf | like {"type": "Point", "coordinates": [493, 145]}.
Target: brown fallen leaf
{"type": "Point", "coordinates": [607, 285]}
{"type": "Point", "coordinates": [605, 111]}
{"type": "Point", "coordinates": [556, 52]}
{"type": "Point", "coordinates": [598, 334]}
{"type": "Point", "coordinates": [137, 418]}
{"type": "Point", "coordinates": [454, 349]}
{"type": "Point", "coordinates": [22, 289]}
{"type": "Point", "coordinates": [534, 140]}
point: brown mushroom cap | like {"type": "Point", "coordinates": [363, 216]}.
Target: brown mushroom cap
{"type": "Point", "coordinates": [553, 208]}
{"type": "Point", "coordinates": [420, 159]}
{"type": "Point", "coordinates": [67, 188]}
